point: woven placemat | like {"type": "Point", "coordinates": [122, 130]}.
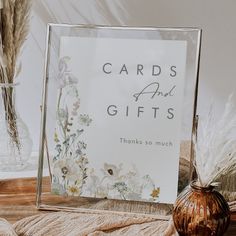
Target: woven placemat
{"type": "Point", "coordinates": [78, 224]}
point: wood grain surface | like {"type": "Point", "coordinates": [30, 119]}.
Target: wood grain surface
{"type": "Point", "coordinates": [17, 200]}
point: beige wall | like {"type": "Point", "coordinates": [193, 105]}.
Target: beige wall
{"type": "Point", "coordinates": [217, 18]}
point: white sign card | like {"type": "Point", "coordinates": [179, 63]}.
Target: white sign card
{"type": "Point", "coordinates": [119, 113]}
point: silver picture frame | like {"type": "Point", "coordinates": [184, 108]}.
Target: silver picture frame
{"type": "Point", "coordinates": [45, 199]}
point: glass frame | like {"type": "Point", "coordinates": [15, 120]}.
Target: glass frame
{"type": "Point", "coordinates": [48, 201]}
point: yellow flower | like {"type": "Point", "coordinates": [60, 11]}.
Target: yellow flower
{"type": "Point", "coordinates": [56, 138]}
{"type": "Point", "coordinates": [73, 190]}
{"type": "Point", "coordinates": [155, 193]}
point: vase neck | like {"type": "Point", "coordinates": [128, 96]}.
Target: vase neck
{"type": "Point", "coordinates": [197, 187]}
{"type": "Point", "coordinates": [7, 101]}
{"type": "Point", "coordinates": [9, 85]}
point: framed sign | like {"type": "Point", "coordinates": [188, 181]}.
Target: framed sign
{"type": "Point", "coordinates": [118, 105]}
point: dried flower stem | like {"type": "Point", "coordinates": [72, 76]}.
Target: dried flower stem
{"type": "Point", "coordinates": [14, 26]}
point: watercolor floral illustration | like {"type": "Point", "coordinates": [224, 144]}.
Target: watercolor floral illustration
{"type": "Point", "coordinates": [72, 174]}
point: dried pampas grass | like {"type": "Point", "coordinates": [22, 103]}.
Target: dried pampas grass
{"type": "Point", "coordinates": [215, 146]}
{"type": "Point", "coordinates": [14, 26]}
{"type": "Point", "coordinates": [14, 29]}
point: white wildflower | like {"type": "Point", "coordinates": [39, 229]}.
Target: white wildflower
{"type": "Point", "coordinates": [111, 171]}
{"type": "Point", "coordinates": [65, 77]}
{"type": "Point", "coordinates": [67, 169]}
{"type": "Point", "coordinates": [85, 120]}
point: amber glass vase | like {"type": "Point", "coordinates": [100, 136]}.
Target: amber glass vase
{"type": "Point", "coordinates": [201, 211]}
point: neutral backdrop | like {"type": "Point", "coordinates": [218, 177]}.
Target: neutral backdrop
{"type": "Point", "coordinates": [215, 17]}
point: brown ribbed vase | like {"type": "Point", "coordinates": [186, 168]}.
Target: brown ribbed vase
{"type": "Point", "coordinates": [201, 211]}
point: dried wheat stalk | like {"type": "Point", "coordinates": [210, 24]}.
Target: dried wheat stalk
{"type": "Point", "coordinates": [14, 26]}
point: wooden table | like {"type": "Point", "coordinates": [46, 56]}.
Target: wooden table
{"type": "Point", "coordinates": [17, 200]}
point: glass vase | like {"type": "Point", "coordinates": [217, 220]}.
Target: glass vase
{"type": "Point", "coordinates": [201, 211]}
{"type": "Point", "coordinates": [15, 140]}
